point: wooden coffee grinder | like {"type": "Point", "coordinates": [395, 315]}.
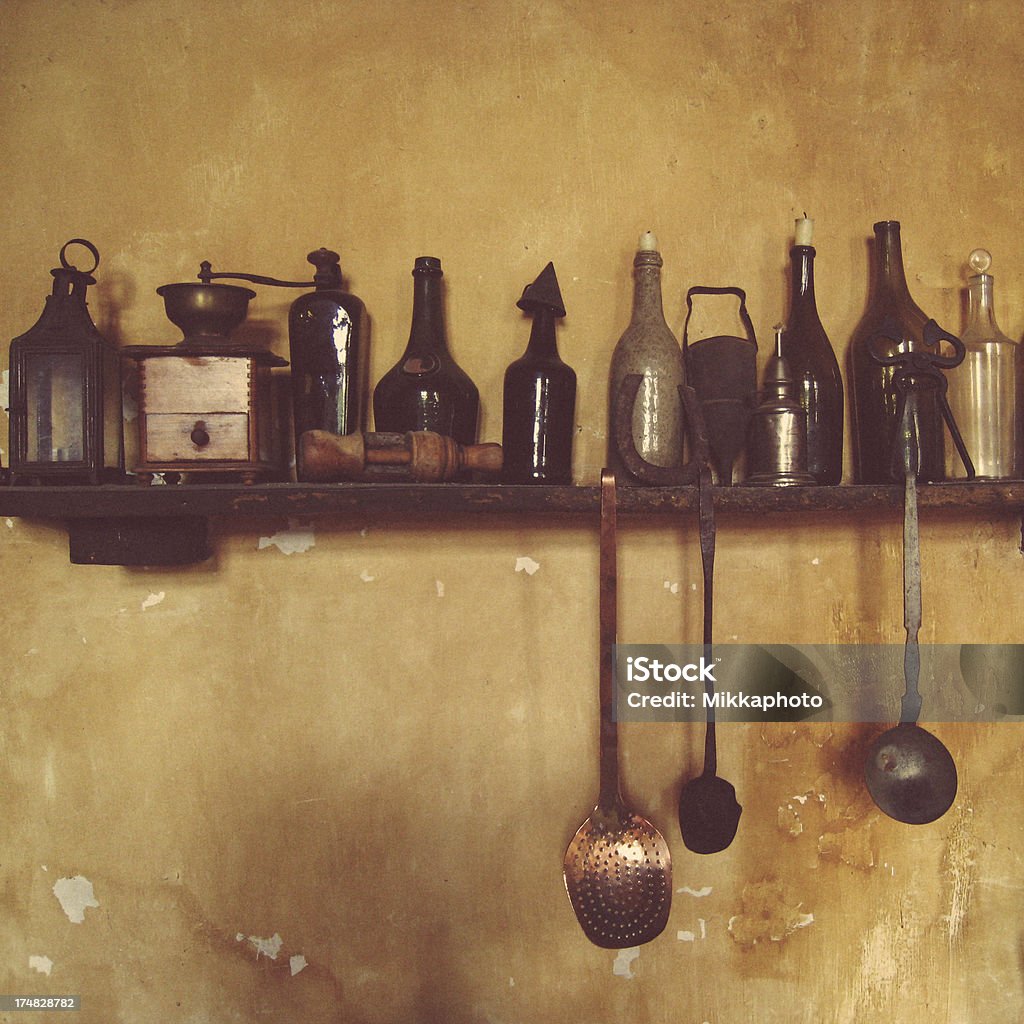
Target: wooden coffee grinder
{"type": "Point", "coordinates": [206, 404]}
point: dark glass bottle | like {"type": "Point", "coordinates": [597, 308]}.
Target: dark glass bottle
{"type": "Point", "coordinates": [892, 323]}
{"type": "Point", "coordinates": [426, 389]}
{"type": "Point", "coordinates": [326, 339]}
{"type": "Point", "coordinates": [814, 370]}
{"type": "Point", "coordinates": [539, 396]}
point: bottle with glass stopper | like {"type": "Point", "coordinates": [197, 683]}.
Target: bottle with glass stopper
{"type": "Point", "coordinates": [777, 436]}
{"type": "Point", "coordinates": [984, 390]}
{"type": "Point", "coordinates": [426, 389]}
{"type": "Point", "coordinates": [648, 348]}
{"type": "Point", "coordinates": [892, 323]}
{"type": "Point", "coordinates": [539, 395]}
{"type": "Point", "coordinates": [817, 382]}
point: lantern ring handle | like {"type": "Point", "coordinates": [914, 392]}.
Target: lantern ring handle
{"type": "Point", "coordinates": [80, 241]}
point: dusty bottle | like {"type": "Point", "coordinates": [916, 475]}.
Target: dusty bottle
{"type": "Point", "coordinates": [648, 348]}
{"type": "Point", "coordinates": [813, 367]}
{"type": "Point", "coordinates": [984, 388]}
{"type": "Point", "coordinates": [326, 338]}
{"type": "Point", "coordinates": [539, 396]}
{"type": "Point", "coordinates": [426, 389]}
{"type": "Point", "coordinates": [892, 323]}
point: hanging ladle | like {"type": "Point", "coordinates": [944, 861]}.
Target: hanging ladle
{"type": "Point", "coordinates": [910, 774]}
{"type": "Point", "coordinates": [709, 812]}
{"type": "Point", "coordinates": [617, 869]}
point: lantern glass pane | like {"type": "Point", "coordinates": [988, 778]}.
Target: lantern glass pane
{"type": "Point", "coordinates": [55, 401]}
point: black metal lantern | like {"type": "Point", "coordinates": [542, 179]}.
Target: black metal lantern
{"type": "Point", "coordinates": [65, 390]}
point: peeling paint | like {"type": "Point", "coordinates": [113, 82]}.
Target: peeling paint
{"type": "Point", "coordinates": [5, 383]}
{"type": "Point", "coordinates": [623, 965]}
{"type": "Point", "coordinates": [75, 896]}
{"type": "Point", "coordinates": [10, 523]}
{"type": "Point", "coordinates": [440, 588]}
{"type": "Point", "coordinates": [705, 891]}
{"type": "Point", "coordinates": [42, 964]}
{"type": "Point", "coordinates": [961, 870]}
{"type": "Point", "coordinates": [526, 564]}
{"type": "Point", "coordinates": [264, 947]}
{"type": "Point", "coordinates": [366, 576]}
{"type": "Point", "coordinates": [153, 599]}
{"type": "Point", "coordinates": [297, 963]}
{"type": "Point", "coordinates": [687, 936]}
{"type": "Point", "coordinates": [672, 588]}
{"type": "Point", "coordinates": [294, 541]}
{"type": "Point", "coordinates": [768, 914]}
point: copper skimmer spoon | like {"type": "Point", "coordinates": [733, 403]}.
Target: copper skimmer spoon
{"type": "Point", "coordinates": [618, 870]}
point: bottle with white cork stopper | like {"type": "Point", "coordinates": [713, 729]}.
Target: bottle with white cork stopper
{"type": "Point", "coordinates": [984, 390]}
{"type": "Point", "coordinates": [648, 348]}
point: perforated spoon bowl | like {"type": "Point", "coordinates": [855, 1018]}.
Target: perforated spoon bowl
{"type": "Point", "coordinates": [617, 868]}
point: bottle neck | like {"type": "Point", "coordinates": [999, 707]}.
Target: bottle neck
{"type": "Point", "coordinates": [802, 263]}
{"type": "Point", "coordinates": [427, 333]}
{"type": "Point", "coordinates": [889, 278]}
{"type": "Point", "coordinates": [980, 309]}
{"type": "Point", "coordinates": [647, 285]}
{"type": "Point", "coordinates": [542, 335]}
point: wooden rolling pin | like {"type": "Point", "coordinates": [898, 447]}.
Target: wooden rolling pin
{"type": "Point", "coordinates": [420, 457]}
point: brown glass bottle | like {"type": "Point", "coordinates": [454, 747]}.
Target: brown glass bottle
{"type": "Point", "coordinates": [539, 396]}
{"type": "Point", "coordinates": [326, 338]}
{"type": "Point", "coordinates": [892, 323]}
{"type": "Point", "coordinates": [426, 389]}
{"type": "Point", "coordinates": [814, 369]}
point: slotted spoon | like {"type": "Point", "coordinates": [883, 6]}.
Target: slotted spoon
{"type": "Point", "coordinates": [618, 870]}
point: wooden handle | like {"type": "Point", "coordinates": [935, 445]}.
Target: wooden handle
{"type": "Point", "coordinates": [421, 456]}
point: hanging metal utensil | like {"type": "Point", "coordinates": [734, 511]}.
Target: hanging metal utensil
{"type": "Point", "coordinates": [909, 772]}
{"type": "Point", "coordinates": [709, 812]}
{"type": "Point", "coordinates": [618, 870]}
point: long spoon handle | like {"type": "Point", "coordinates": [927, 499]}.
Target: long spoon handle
{"type": "Point", "coordinates": [609, 797]}
{"type": "Point", "coordinates": [911, 457]}
{"type": "Point", "coordinates": [911, 708]}
{"type": "Point", "coordinates": [706, 516]}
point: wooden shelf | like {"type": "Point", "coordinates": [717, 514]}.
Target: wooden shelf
{"type": "Point", "coordinates": [133, 501]}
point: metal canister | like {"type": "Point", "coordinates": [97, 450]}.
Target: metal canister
{"type": "Point", "coordinates": [777, 437]}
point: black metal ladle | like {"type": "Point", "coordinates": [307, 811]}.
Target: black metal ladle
{"type": "Point", "coordinates": [709, 812]}
{"type": "Point", "coordinates": [909, 772]}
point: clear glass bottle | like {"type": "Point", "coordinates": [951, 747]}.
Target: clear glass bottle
{"type": "Point", "coordinates": [539, 396]}
{"type": "Point", "coordinates": [426, 389]}
{"type": "Point", "coordinates": [983, 389]}
{"type": "Point", "coordinates": [892, 323]}
{"type": "Point", "coordinates": [814, 371]}
{"type": "Point", "coordinates": [648, 348]}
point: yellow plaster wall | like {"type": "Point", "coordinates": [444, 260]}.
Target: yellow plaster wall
{"type": "Point", "coordinates": [378, 748]}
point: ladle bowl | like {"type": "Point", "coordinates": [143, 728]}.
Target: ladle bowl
{"type": "Point", "coordinates": [910, 774]}
{"type": "Point", "coordinates": [709, 813]}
